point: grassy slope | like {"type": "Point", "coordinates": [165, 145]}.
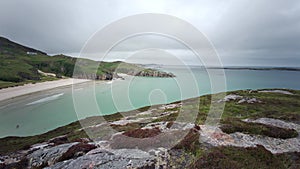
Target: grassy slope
{"type": "Point", "coordinates": [279, 106]}
{"type": "Point", "coordinates": [18, 68]}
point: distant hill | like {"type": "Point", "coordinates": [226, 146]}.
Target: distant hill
{"type": "Point", "coordinates": [20, 64]}
{"type": "Point", "coordinates": [11, 48]}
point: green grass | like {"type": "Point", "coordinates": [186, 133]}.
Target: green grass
{"type": "Point", "coordinates": [274, 105]}
{"type": "Point", "coordinates": [11, 144]}
{"type": "Point", "coordinates": [278, 106]}
{"type": "Point", "coordinates": [17, 67]}
{"type": "Point", "coordinates": [236, 158]}
{"type": "Point", "coordinates": [5, 84]}
{"type": "Point", "coordinates": [232, 125]}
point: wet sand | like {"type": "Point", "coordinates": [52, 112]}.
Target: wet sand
{"type": "Point", "coordinates": [12, 92]}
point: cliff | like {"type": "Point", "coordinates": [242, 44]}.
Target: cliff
{"type": "Point", "coordinates": [153, 73]}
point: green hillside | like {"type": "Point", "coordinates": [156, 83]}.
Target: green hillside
{"type": "Point", "coordinates": [17, 65]}
{"type": "Point", "coordinates": [20, 64]}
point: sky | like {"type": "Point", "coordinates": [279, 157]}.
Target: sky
{"type": "Point", "coordinates": [243, 32]}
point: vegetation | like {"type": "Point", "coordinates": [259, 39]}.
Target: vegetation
{"type": "Point", "coordinates": [189, 151]}
{"type": "Point", "coordinates": [19, 65]}
{"type": "Point", "coordinates": [72, 152]}
{"type": "Point", "coordinates": [190, 143]}
{"type": "Point", "coordinates": [142, 133]}
{"type": "Point", "coordinates": [236, 158]}
{"type": "Point", "coordinates": [232, 125]}
{"type": "Point", "coordinates": [72, 131]}
{"type": "Point", "coordinates": [127, 127]}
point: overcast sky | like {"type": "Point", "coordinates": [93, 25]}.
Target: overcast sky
{"type": "Point", "coordinates": [244, 32]}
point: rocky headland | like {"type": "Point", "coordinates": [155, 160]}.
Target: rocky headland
{"type": "Point", "coordinates": [114, 75]}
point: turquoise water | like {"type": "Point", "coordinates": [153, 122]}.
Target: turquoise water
{"type": "Point", "coordinates": [44, 111]}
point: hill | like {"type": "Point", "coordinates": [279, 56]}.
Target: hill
{"type": "Point", "coordinates": [20, 64]}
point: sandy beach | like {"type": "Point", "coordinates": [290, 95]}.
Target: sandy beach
{"type": "Point", "coordinates": [12, 92]}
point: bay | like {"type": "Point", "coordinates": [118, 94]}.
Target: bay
{"type": "Point", "coordinates": [43, 111]}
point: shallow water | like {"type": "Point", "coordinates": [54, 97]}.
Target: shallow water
{"type": "Point", "coordinates": [43, 111]}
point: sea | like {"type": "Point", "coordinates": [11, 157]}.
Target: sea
{"type": "Point", "coordinates": [40, 112]}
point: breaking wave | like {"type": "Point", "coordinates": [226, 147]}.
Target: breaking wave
{"type": "Point", "coordinates": [46, 99]}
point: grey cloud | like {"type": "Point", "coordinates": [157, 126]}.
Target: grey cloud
{"type": "Point", "coordinates": [268, 29]}
{"type": "Point", "coordinates": [258, 32]}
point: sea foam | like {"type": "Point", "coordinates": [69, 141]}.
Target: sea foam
{"type": "Point", "coordinates": [46, 99]}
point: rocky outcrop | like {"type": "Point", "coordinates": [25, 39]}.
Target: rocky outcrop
{"type": "Point", "coordinates": [114, 75]}
{"type": "Point", "coordinates": [48, 156]}
{"type": "Point", "coordinates": [239, 99]}
{"type": "Point", "coordinates": [216, 137]}
{"type": "Point", "coordinates": [103, 76]}
{"type": "Point", "coordinates": [276, 123]}
{"type": "Point", "coordinates": [104, 159]}
{"type": "Point", "coordinates": [154, 73]}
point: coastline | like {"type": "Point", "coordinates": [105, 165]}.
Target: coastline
{"type": "Point", "coordinates": [242, 132]}
{"type": "Point", "coordinates": [11, 92]}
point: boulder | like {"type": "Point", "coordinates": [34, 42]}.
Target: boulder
{"type": "Point", "coordinates": [48, 156]}
{"type": "Point", "coordinates": [114, 159]}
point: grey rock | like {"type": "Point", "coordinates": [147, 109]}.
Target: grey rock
{"type": "Point", "coordinates": [253, 100]}
{"type": "Point", "coordinates": [276, 91]}
{"type": "Point", "coordinates": [114, 159]}
{"type": "Point", "coordinates": [275, 145]}
{"type": "Point", "coordinates": [230, 97]}
{"type": "Point", "coordinates": [131, 153]}
{"type": "Point", "coordinates": [239, 99]}
{"type": "Point", "coordinates": [48, 156]}
{"type": "Point", "coordinates": [242, 101]}
{"type": "Point", "coordinates": [275, 122]}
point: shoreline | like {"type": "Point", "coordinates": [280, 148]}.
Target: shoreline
{"type": "Point", "coordinates": [12, 92]}
{"type": "Point", "coordinates": [241, 132]}
{"type": "Point", "coordinates": [26, 89]}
